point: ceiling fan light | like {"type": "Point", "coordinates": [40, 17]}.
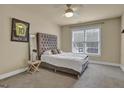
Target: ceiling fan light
{"type": "Point", "coordinates": [69, 11]}
{"type": "Point", "coordinates": [68, 14]}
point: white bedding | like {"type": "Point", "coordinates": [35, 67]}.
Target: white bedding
{"type": "Point", "coordinates": [67, 60]}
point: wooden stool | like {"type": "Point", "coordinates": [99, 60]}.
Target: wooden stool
{"type": "Point", "coordinates": [33, 66]}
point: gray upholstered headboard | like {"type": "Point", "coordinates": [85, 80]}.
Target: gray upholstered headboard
{"type": "Point", "coordinates": [45, 42]}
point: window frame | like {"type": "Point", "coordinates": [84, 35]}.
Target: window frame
{"type": "Point", "coordinates": [99, 43]}
{"type": "Point", "coordinates": [83, 42]}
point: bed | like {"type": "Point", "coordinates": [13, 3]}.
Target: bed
{"type": "Point", "coordinates": [65, 62]}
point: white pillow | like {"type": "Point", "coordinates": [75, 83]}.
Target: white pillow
{"type": "Point", "coordinates": [48, 52]}
{"type": "Point", "coordinates": [61, 51]}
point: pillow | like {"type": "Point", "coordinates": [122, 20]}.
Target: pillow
{"type": "Point", "coordinates": [48, 52]}
{"type": "Point", "coordinates": [59, 51]}
{"type": "Point", "coordinates": [54, 51]}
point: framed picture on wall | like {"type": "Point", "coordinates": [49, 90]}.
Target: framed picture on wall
{"type": "Point", "coordinates": [19, 30]}
{"type": "Point", "coordinates": [122, 31]}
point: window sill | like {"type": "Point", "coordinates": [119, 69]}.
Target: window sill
{"type": "Point", "coordinates": [97, 55]}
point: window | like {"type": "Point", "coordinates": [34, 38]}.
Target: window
{"type": "Point", "coordinates": [86, 40]}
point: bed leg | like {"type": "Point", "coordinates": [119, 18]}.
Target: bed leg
{"type": "Point", "coordinates": [78, 76]}
{"type": "Point", "coordinates": [54, 70]}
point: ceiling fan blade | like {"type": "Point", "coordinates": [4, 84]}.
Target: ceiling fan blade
{"type": "Point", "coordinates": [76, 14]}
{"type": "Point", "coordinates": [68, 5]}
{"type": "Point", "coordinates": [74, 8]}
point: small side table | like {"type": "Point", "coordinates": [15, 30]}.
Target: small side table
{"type": "Point", "coordinates": [33, 66]}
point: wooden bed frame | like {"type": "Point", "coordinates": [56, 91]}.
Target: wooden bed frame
{"type": "Point", "coordinates": [46, 42]}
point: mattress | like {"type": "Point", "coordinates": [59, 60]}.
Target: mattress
{"type": "Point", "coordinates": [66, 60]}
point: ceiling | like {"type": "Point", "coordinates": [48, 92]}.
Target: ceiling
{"type": "Point", "coordinates": [86, 12]}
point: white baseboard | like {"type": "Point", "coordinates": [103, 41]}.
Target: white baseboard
{"type": "Point", "coordinates": [122, 67]}
{"type": "Point", "coordinates": [9, 74]}
{"type": "Point", "coordinates": [105, 63]}
{"type": "Point", "coordinates": [108, 63]}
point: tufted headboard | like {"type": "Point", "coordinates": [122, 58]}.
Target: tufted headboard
{"type": "Point", "coordinates": [45, 42]}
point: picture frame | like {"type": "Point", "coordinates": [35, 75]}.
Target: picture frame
{"type": "Point", "coordinates": [122, 31]}
{"type": "Point", "coordinates": [19, 30]}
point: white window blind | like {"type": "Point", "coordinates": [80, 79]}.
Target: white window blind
{"type": "Point", "coordinates": [86, 40]}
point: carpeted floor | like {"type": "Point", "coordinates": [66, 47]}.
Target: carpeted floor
{"type": "Point", "coordinates": [95, 76]}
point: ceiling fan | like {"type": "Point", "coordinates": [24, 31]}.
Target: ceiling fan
{"type": "Point", "coordinates": [70, 12]}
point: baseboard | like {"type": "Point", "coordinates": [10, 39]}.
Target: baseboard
{"type": "Point", "coordinates": [9, 74]}
{"type": "Point", "coordinates": [108, 63]}
{"type": "Point", "coordinates": [122, 67]}
{"type": "Point", "coordinates": [6, 75]}
{"type": "Point", "coordinates": [105, 63]}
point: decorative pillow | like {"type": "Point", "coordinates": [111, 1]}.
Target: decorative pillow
{"type": "Point", "coordinates": [48, 52]}
{"type": "Point", "coordinates": [59, 51]}
{"type": "Point", "coordinates": [54, 51]}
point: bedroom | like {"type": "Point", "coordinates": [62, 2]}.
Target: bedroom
{"type": "Point", "coordinates": [105, 54]}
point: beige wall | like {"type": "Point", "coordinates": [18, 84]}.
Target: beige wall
{"type": "Point", "coordinates": [122, 40]}
{"type": "Point", "coordinates": [14, 55]}
{"type": "Point", "coordinates": [110, 40]}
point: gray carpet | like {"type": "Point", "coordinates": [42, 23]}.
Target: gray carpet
{"type": "Point", "coordinates": [95, 76]}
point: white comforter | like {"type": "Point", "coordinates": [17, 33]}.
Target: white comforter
{"type": "Point", "coordinates": [67, 60]}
